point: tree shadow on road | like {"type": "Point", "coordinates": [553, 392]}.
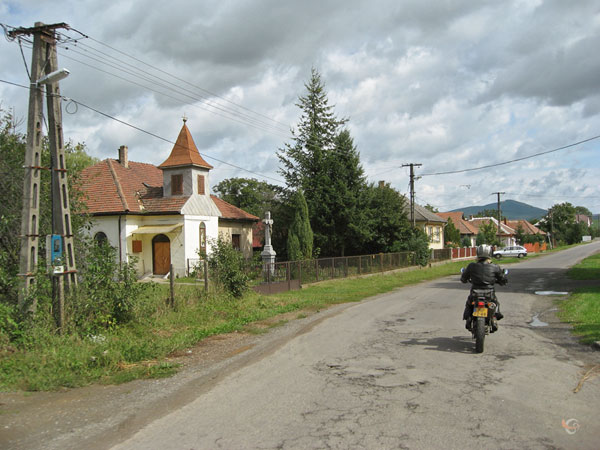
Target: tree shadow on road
{"type": "Point", "coordinates": [454, 344]}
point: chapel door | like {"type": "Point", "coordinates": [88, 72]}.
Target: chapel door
{"type": "Point", "coordinates": [161, 255]}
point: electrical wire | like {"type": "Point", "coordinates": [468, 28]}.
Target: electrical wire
{"type": "Point", "coordinates": [175, 77]}
{"type": "Point", "coordinates": [173, 98]}
{"type": "Point", "coordinates": [134, 71]}
{"type": "Point", "coordinates": [78, 103]}
{"type": "Point", "coordinates": [512, 160]}
{"type": "Point", "coordinates": [271, 122]}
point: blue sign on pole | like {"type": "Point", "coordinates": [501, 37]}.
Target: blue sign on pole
{"type": "Point", "coordinates": [56, 249]}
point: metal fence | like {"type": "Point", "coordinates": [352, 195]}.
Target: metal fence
{"type": "Point", "coordinates": [283, 276]}
{"type": "Point", "coordinates": [271, 278]}
{"type": "Point", "coordinates": [441, 254]}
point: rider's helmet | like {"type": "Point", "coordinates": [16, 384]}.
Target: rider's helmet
{"type": "Point", "coordinates": [484, 252]}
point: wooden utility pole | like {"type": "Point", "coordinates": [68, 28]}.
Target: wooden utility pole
{"type": "Point", "coordinates": [412, 191]}
{"type": "Point", "coordinates": [44, 62]}
{"type": "Point", "coordinates": [499, 213]}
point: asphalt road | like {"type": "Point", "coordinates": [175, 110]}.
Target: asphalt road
{"type": "Point", "coordinates": [399, 371]}
{"type": "Point", "coordinates": [394, 371]}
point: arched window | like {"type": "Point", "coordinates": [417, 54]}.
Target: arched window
{"type": "Point", "coordinates": [100, 238]}
{"type": "Point", "coordinates": [202, 239]}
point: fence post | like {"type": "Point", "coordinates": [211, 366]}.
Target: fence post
{"type": "Point", "coordinates": [381, 261]}
{"type": "Point", "coordinates": [205, 276]}
{"type": "Point", "coordinates": [359, 264]}
{"type": "Point", "coordinates": [346, 267]}
{"type": "Point", "coordinates": [317, 268]}
{"type": "Point", "coordinates": [332, 268]}
{"type": "Point", "coordinates": [300, 272]}
{"type": "Point", "coordinates": [172, 285]}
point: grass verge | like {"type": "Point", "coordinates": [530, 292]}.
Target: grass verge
{"type": "Point", "coordinates": [582, 308]}
{"type": "Point", "coordinates": [48, 361]}
{"type": "Point", "coordinates": [141, 349]}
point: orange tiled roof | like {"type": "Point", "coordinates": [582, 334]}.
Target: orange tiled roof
{"type": "Point", "coordinates": [463, 226]}
{"type": "Point", "coordinates": [185, 152]}
{"type": "Point", "coordinates": [528, 228]}
{"type": "Point", "coordinates": [228, 211]}
{"type": "Point", "coordinates": [111, 188]}
{"type": "Point", "coordinates": [476, 222]}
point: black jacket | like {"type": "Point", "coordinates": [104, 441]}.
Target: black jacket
{"type": "Point", "coordinates": [483, 275]}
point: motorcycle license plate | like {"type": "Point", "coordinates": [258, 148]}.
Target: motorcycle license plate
{"type": "Point", "coordinates": [480, 312]}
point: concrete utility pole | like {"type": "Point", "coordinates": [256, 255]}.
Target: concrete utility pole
{"type": "Point", "coordinates": [499, 213]}
{"type": "Point", "coordinates": [44, 71]}
{"type": "Point", "coordinates": [412, 191]}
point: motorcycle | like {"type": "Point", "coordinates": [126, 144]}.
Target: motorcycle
{"type": "Point", "coordinates": [483, 320]}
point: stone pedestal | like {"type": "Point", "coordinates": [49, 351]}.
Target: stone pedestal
{"type": "Point", "coordinates": [268, 254]}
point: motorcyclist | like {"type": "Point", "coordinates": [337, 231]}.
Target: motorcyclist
{"type": "Point", "coordinates": [483, 274]}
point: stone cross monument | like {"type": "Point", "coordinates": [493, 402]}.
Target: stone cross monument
{"type": "Point", "coordinates": [268, 254]}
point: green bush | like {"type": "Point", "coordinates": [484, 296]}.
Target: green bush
{"type": "Point", "coordinates": [107, 293]}
{"type": "Point", "coordinates": [417, 242]}
{"type": "Point", "coordinates": [227, 265]}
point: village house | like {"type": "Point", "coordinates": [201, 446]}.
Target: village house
{"type": "Point", "coordinates": [466, 229]}
{"type": "Point", "coordinates": [432, 224]}
{"type": "Point", "coordinates": [162, 215]}
{"type": "Point", "coordinates": [469, 228]}
{"type": "Point", "coordinates": [507, 234]}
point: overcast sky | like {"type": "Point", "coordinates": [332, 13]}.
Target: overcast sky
{"type": "Point", "coordinates": [451, 85]}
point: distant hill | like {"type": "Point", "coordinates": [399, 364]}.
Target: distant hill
{"type": "Point", "coordinates": [511, 209]}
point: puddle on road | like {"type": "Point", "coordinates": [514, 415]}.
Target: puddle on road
{"type": "Point", "coordinates": [536, 322]}
{"type": "Point", "coordinates": [550, 293]}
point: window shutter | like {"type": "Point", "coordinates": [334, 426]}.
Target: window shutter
{"type": "Point", "coordinates": [176, 184]}
{"type": "Point", "coordinates": [201, 185]}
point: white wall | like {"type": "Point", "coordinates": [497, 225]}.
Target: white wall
{"type": "Point", "coordinates": [185, 241]}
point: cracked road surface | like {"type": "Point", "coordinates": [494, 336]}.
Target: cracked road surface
{"type": "Point", "coordinates": [399, 372]}
{"type": "Point", "coordinates": [394, 371]}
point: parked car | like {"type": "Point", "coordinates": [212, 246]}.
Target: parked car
{"type": "Point", "coordinates": [515, 250]}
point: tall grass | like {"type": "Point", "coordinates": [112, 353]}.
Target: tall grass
{"type": "Point", "coordinates": [582, 308]}
{"type": "Point", "coordinates": [45, 360]}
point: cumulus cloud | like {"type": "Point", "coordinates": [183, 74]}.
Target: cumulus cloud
{"type": "Point", "coordinates": [457, 85]}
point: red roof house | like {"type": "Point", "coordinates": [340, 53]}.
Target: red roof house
{"type": "Point", "coordinates": [162, 215]}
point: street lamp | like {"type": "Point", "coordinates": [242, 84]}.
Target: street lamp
{"type": "Point", "coordinates": [53, 77]}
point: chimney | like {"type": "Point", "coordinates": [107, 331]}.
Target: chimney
{"type": "Point", "coordinates": [381, 184]}
{"type": "Point", "coordinates": [123, 160]}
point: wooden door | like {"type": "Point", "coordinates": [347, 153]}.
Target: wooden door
{"type": "Point", "coordinates": [161, 255]}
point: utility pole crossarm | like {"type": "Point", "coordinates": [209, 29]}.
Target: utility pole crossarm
{"type": "Point", "coordinates": [39, 28]}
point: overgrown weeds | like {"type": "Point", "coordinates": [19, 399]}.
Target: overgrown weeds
{"type": "Point", "coordinates": [41, 359]}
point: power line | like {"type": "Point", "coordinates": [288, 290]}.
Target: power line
{"type": "Point", "coordinates": [175, 98]}
{"type": "Point", "coordinates": [177, 78]}
{"type": "Point", "coordinates": [78, 103]}
{"type": "Point", "coordinates": [512, 160]}
{"type": "Point", "coordinates": [166, 140]}
{"type": "Point", "coordinates": [251, 118]}
{"type": "Point", "coordinates": [134, 71]}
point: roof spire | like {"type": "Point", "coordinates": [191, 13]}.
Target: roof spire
{"type": "Point", "coordinates": [184, 118]}
{"type": "Point", "coordinates": [185, 152]}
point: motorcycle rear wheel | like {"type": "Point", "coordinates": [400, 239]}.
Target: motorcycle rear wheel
{"type": "Point", "coordinates": [479, 332]}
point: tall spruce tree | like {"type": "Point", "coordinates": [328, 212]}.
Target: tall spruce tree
{"type": "Point", "coordinates": [300, 235]}
{"type": "Point", "coordinates": [323, 162]}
